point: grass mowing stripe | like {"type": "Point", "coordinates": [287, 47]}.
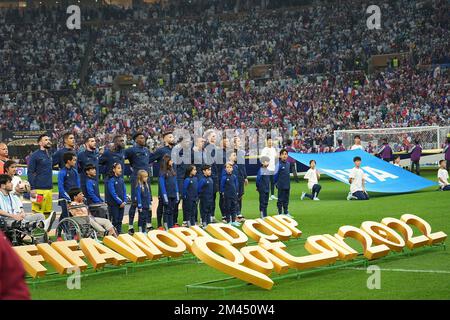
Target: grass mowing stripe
{"type": "Point", "coordinates": [402, 270]}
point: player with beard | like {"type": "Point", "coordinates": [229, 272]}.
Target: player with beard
{"type": "Point", "coordinates": [111, 156]}
{"type": "Point", "coordinates": [139, 158]}
{"type": "Point", "coordinates": [157, 156]}
{"type": "Point", "coordinates": [40, 177]}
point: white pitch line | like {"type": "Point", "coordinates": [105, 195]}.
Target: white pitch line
{"type": "Point", "coordinates": [405, 270]}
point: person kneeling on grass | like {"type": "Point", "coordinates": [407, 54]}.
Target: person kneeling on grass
{"type": "Point", "coordinates": [78, 209]}
{"type": "Point", "coordinates": [443, 176]}
{"type": "Point", "coordinates": [313, 177]}
{"type": "Point", "coordinates": [357, 181]}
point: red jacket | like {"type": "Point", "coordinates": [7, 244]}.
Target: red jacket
{"type": "Point", "coordinates": [12, 273]}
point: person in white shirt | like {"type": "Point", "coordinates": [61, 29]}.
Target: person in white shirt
{"type": "Point", "coordinates": [11, 208]}
{"type": "Point", "coordinates": [271, 152]}
{"type": "Point", "coordinates": [443, 176]}
{"type": "Point", "coordinates": [19, 186]}
{"type": "Point", "coordinates": [357, 144]}
{"type": "Point", "coordinates": [313, 177]}
{"type": "Point", "coordinates": [357, 181]}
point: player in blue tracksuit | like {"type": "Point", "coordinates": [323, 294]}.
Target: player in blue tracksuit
{"type": "Point", "coordinates": [68, 178]}
{"type": "Point", "coordinates": [139, 158]}
{"type": "Point", "coordinates": [282, 179]}
{"type": "Point", "coordinates": [241, 174]}
{"type": "Point", "coordinates": [169, 143]}
{"type": "Point", "coordinates": [229, 190]}
{"type": "Point", "coordinates": [190, 196]}
{"type": "Point", "coordinates": [69, 146]}
{"type": "Point", "coordinates": [89, 156]}
{"type": "Point", "coordinates": [220, 170]}
{"type": "Point", "coordinates": [206, 195]}
{"type": "Point", "coordinates": [263, 186]}
{"type": "Point", "coordinates": [169, 191]}
{"type": "Point", "coordinates": [143, 201]}
{"type": "Point", "coordinates": [182, 158]}
{"type": "Point", "coordinates": [212, 158]}
{"type": "Point", "coordinates": [109, 158]}
{"type": "Point", "coordinates": [117, 196]}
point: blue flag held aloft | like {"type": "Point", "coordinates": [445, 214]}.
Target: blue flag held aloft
{"type": "Point", "coordinates": [382, 176]}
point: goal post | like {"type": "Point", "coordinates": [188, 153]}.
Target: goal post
{"type": "Point", "coordinates": [431, 137]}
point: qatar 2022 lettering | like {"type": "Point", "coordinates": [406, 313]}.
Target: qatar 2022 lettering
{"type": "Point", "coordinates": [225, 248]}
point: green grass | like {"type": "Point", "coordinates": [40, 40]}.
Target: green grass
{"type": "Point", "coordinates": [168, 281]}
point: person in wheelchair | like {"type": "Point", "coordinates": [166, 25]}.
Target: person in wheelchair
{"type": "Point", "coordinates": [80, 211]}
{"type": "Point", "coordinates": [11, 209]}
{"type": "Point", "coordinates": [97, 207]}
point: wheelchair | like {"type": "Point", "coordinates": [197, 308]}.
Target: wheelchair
{"type": "Point", "coordinates": [21, 233]}
{"type": "Point", "coordinates": [75, 228]}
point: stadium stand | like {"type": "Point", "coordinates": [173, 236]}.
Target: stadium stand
{"type": "Point", "coordinates": [191, 66]}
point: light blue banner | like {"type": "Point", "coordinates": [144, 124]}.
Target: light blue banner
{"type": "Point", "coordinates": [382, 176]}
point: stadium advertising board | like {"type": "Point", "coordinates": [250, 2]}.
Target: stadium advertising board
{"type": "Point", "coordinates": [21, 143]}
{"type": "Point", "coordinates": [225, 248]}
{"type": "Point", "coordinates": [382, 176]}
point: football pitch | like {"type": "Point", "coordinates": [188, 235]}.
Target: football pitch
{"type": "Point", "coordinates": [425, 274]}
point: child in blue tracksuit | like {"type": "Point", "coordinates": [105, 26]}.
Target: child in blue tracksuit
{"type": "Point", "coordinates": [229, 190]}
{"type": "Point", "coordinates": [282, 180]}
{"type": "Point", "coordinates": [144, 201]}
{"type": "Point", "coordinates": [263, 186]}
{"type": "Point", "coordinates": [206, 195]}
{"type": "Point", "coordinates": [190, 195]}
{"type": "Point", "coordinates": [168, 187]}
{"type": "Point", "coordinates": [117, 196]}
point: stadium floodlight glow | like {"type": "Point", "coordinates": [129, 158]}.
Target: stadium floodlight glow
{"type": "Point", "coordinates": [224, 247]}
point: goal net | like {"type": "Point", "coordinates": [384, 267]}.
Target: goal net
{"type": "Point", "coordinates": [399, 138]}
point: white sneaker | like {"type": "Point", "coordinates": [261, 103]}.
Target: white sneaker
{"type": "Point", "coordinates": [288, 215]}
{"type": "Point", "coordinates": [349, 196]}
{"type": "Point", "coordinates": [316, 199]}
{"type": "Point", "coordinates": [303, 196]}
{"type": "Point", "coordinates": [274, 197]}
{"type": "Point", "coordinates": [49, 221]}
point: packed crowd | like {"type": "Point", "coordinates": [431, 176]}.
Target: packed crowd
{"type": "Point", "coordinates": [39, 56]}
{"type": "Point", "coordinates": [307, 110]}
{"type": "Point", "coordinates": [314, 39]}
{"type": "Point", "coordinates": [39, 51]}
{"type": "Point", "coordinates": [196, 53]}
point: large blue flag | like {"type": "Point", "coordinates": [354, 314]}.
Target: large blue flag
{"type": "Point", "coordinates": [382, 176]}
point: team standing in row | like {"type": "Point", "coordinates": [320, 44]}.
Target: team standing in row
{"type": "Point", "coordinates": [196, 182]}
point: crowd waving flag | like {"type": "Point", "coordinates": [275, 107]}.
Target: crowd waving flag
{"type": "Point", "coordinates": [381, 175]}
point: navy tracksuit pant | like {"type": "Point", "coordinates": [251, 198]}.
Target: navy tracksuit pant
{"type": "Point", "coordinates": [263, 203]}
{"type": "Point", "coordinates": [283, 201]}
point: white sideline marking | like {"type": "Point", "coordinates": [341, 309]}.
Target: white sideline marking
{"type": "Point", "coordinates": [405, 270]}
